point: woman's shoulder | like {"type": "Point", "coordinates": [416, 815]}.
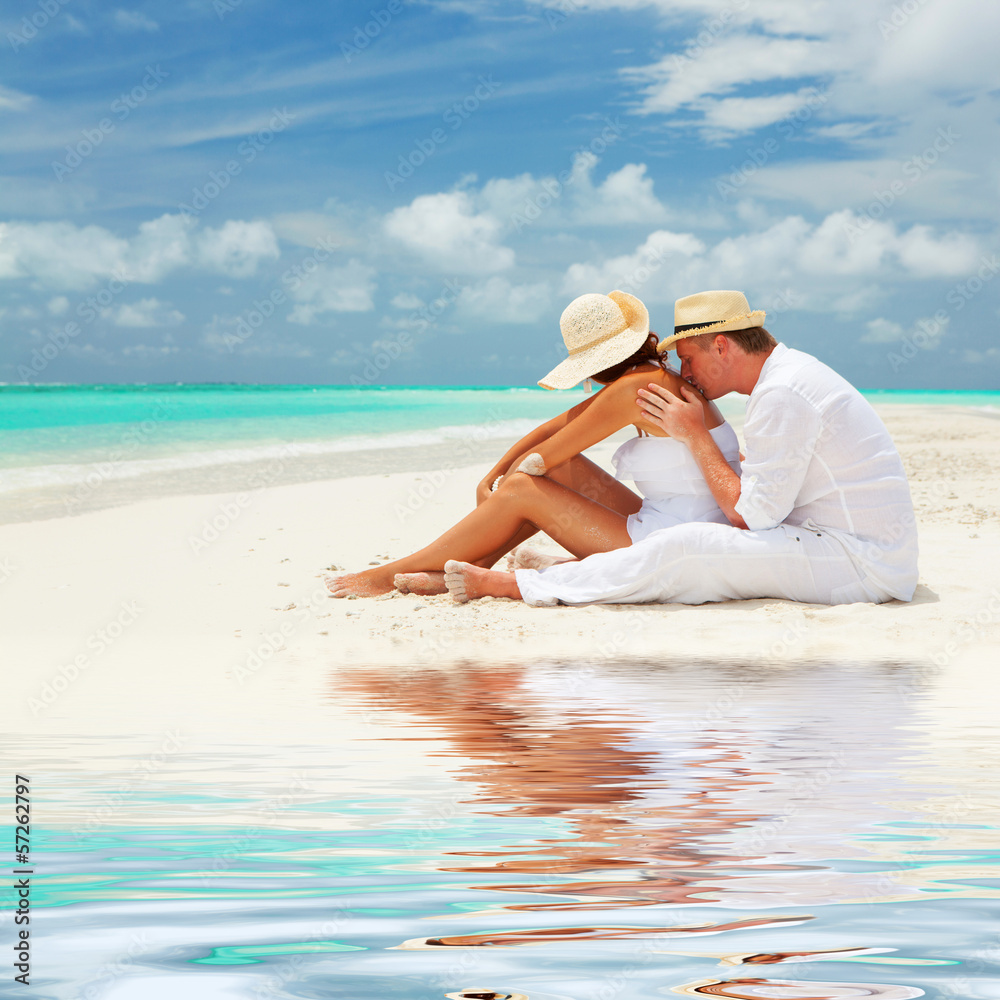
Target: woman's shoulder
{"type": "Point", "coordinates": [643, 376]}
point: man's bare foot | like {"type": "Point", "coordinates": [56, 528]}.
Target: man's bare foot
{"type": "Point", "coordinates": [368, 584]}
{"type": "Point", "coordinates": [525, 557]}
{"type": "Point", "coordinates": [466, 582]}
{"type": "Point", "coordinates": [424, 584]}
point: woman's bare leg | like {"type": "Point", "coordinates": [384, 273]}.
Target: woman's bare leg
{"type": "Point", "coordinates": [578, 474]}
{"type": "Point", "coordinates": [576, 522]}
{"type": "Point", "coordinates": [587, 478]}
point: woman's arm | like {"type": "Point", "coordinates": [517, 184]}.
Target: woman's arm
{"type": "Point", "coordinates": [530, 443]}
{"type": "Point", "coordinates": [612, 409]}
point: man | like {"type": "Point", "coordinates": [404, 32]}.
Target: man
{"type": "Point", "coordinates": [821, 512]}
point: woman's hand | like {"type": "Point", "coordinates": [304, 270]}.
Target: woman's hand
{"type": "Point", "coordinates": [485, 488]}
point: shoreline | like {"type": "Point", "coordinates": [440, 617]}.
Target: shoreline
{"type": "Point", "coordinates": [222, 593]}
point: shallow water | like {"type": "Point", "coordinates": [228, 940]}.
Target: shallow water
{"type": "Point", "coordinates": [546, 831]}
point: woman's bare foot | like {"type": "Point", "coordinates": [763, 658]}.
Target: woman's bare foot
{"type": "Point", "coordinates": [466, 582]}
{"type": "Point", "coordinates": [371, 583]}
{"type": "Point", "coordinates": [424, 584]}
{"type": "Point", "coordinates": [525, 557]}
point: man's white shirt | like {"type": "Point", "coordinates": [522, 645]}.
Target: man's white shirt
{"type": "Point", "coordinates": [819, 457]}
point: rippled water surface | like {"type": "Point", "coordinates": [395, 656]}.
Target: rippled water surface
{"type": "Point", "coordinates": [587, 832]}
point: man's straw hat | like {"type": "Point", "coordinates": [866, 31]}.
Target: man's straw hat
{"type": "Point", "coordinates": [599, 331]}
{"type": "Point", "coordinates": [711, 312]}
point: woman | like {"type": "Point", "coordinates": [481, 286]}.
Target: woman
{"type": "Point", "coordinates": [544, 483]}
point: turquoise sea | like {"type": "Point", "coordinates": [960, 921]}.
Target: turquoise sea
{"type": "Point", "coordinates": [63, 436]}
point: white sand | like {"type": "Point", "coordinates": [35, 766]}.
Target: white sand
{"type": "Point", "coordinates": [148, 604]}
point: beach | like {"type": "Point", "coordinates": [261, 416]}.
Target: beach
{"type": "Point", "coordinates": [238, 780]}
{"type": "Point", "coordinates": [231, 585]}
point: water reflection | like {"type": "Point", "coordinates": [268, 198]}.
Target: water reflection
{"type": "Point", "coordinates": [555, 934]}
{"type": "Point", "coordinates": [478, 994]}
{"type": "Point", "coordinates": [789, 989]}
{"type": "Point", "coordinates": [662, 803]}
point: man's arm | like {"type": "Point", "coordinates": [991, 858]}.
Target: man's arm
{"type": "Point", "coordinates": [683, 418]}
{"type": "Point", "coordinates": [782, 432]}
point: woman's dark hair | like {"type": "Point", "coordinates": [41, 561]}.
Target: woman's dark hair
{"type": "Point", "coordinates": [647, 354]}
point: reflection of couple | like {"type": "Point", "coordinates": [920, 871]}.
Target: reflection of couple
{"type": "Point", "coordinates": [820, 510]}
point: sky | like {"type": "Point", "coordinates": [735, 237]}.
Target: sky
{"type": "Point", "coordinates": [407, 193]}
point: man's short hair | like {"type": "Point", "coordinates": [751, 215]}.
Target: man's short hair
{"type": "Point", "coordinates": [756, 340]}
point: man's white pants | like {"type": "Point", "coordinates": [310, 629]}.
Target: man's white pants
{"type": "Point", "coordinates": [698, 562]}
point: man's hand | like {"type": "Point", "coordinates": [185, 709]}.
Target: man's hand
{"type": "Point", "coordinates": [682, 417]}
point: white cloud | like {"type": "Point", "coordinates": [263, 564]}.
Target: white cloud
{"type": "Point", "coordinates": [445, 229]}
{"type": "Point", "coordinates": [927, 333]}
{"type": "Point", "coordinates": [734, 115]}
{"type": "Point", "coordinates": [146, 313]}
{"type": "Point", "coordinates": [939, 192]}
{"type": "Point", "coordinates": [331, 289]}
{"type": "Point", "coordinates": [238, 247]}
{"type": "Point", "coordinates": [62, 256]}
{"type": "Point", "coordinates": [312, 229]}
{"type": "Point", "coordinates": [624, 196]}
{"type": "Point", "coordinates": [991, 356]}
{"type": "Point", "coordinates": [642, 273]}
{"type": "Point", "coordinates": [14, 100]}
{"type": "Point", "coordinates": [676, 81]}
{"type": "Point", "coordinates": [134, 20]}
{"type": "Point", "coordinates": [406, 300]}
{"type": "Point", "coordinates": [821, 265]}
{"type": "Point", "coordinates": [161, 246]}
{"type": "Point", "coordinates": [882, 331]}
{"type": "Point", "coordinates": [57, 306]}
{"type": "Point", "coordinates": [59, 254]}
{"type": "Point", "coordinates": [496, 300]}
{"type": "Point", "coordinates": [952, 254]}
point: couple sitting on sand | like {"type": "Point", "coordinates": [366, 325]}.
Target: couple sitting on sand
{"type": "Point", "coordinates": [818, 511]}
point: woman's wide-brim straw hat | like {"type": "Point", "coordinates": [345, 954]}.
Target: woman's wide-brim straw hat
{"type": "Point", "coordinates": [711, 312]}
{"type": "Point", "coordinates": [599, 331]}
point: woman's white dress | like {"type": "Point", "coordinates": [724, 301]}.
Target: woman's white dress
{"type": "Point", "coordinates": [668, 477]}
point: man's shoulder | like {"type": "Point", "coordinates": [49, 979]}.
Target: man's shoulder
{"type": "Point", "coordinates": [792, 371]}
